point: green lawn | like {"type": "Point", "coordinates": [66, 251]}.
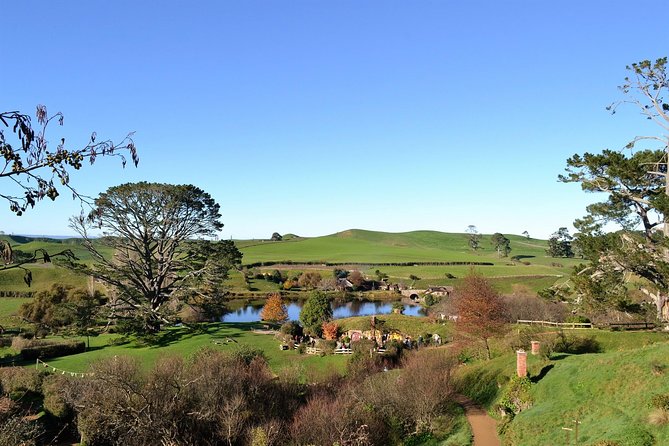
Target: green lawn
{"type": "Point", "coordinates": [183, 342]}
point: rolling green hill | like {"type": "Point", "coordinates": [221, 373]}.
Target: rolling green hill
{"type": "Point", "coordinates": [528, 266]}
{"type": "Point", "coordinates": [531, 268]}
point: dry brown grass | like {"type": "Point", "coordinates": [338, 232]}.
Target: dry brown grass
{"type": "Point", "coordinates": [659, 417]}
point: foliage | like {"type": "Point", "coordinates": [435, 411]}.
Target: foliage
{"type": "Point", "coordinates": [315, 311]}
{"type": "Point", "coordinates": [215, 396]}
{"type": "Point", "coordinates": [501, 244]}
{"type": "Point", "coordinates": [330, 330]}
{"type": "Point", "coordinates": [63, 307]}
{"type": "Point", "coordinates": [516, 396]}
{"type": "Point", "coordinates": [157, 232]}
{"type": "Point", "coordinates": [635, 185]}
{"type": "Point", "coordinates": [35, 170]}
{"type": "Point", "coordinates": [559, 244]}
{"type": "Point", "coordinates": [480, 309]}
{"type": "Point", "coordinates": [44, 350]}
{"type": "Point", "coordinates": [276, 237]}
{"type": "Point", "coordinates": [274, 309]}
{"type": "Point", "coordinates": [474, 237]}
{"type": "Point", "coordinates": [309, 280]}
{"type": "Point", "coordinates": [356, 278]}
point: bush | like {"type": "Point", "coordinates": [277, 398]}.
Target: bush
{"type": "Point", "coordinates": [52, 349]}
{"type": "Point", "coordinates": [54, 399]}
{"type": "Point", "coordinates": [516, 396]}
{"type": "Point", "coordinates": [291, 328]}
{"type": "Point", "coordinates": [660, 401]}
{"type": "Point", "coordinates": [570, 344]}
{"type": "Point", "coordinates": [19, 379]}
{"type": "Point", "coordinates": [578, 319]}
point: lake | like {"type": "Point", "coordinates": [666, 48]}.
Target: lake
{"type": "Point", "coordinates": [251, 313]}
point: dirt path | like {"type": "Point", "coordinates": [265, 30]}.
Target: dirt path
{"type": "Point", "coordinates": [484, 428]}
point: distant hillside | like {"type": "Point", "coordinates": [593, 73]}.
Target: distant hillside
{"type": "Point", "coordinates": [357, 245]}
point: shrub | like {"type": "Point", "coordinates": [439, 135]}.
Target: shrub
{"type": "Point", "coordinates": [53, 388]}
{"type": "Point", "coordinates": [19, 379]}
{"type": "Point", "coordinates": [52, 350]}
{"type": "Point", "coordinates": [450, 276]}
{"type": "Point", "coordinates": [18, 431]}
{"type": "Point", "coordinates": [291, 328]}
{"type": "Point", "coordinates": [571, 344]}
{"type": "Point", "coordinates": [330, 330]}
{"type": "Point", "coordinates": [5, 342]}
{"type": "Point", "coordinates": [578, 319]}
{"type": "Point", "coordinates": [660, 401]}
{"type": "Point", "coordinates": [516, 396]}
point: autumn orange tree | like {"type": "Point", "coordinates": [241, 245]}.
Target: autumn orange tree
{"type": "Point", "coordinates": [330, 330]}
{"type": "Point", "coordinates": [274, 309]}
{"type": "Point", "coordinates": [481, 311]}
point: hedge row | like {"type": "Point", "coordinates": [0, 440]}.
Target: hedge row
{"type": "Point", "coordinates": [17, 294]}
{"type": "Point", "coordinates": [53, 350]}
{"type": "Point", "coordinates": [291, 262]}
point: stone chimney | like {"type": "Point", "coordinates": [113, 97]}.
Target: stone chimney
{"type": "Point", "coordinates": [521, 363]}
{"type": "Point", "coordinates": [535, 347]}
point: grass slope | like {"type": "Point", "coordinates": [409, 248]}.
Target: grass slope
{"type": "Point", "coordinates": [609, 392]}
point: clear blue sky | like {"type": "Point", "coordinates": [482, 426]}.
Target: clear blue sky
{"type": "Point", "coordinates": [313, 117]}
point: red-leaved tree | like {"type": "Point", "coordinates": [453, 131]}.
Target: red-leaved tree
{"type": "Point", "coordinates": [481, 311]}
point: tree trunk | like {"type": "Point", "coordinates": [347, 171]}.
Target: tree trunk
{"type": "Point", "coordinates": [487, 348]}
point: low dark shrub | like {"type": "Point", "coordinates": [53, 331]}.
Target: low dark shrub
{"type": "Point", "coordinates": [53, 350]}
{"type": "Point", "coordinates": [660, 401]}
{"type": "Point", "coordinates": [575, 345]}
{"type": "Point", "coordinates": [5, 342]}
{"type": "Point", "coordinates": [578, 319]}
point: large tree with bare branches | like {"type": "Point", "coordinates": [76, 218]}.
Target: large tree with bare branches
{"type": "Point", "coordinates": [636, 185]}
{"type": "Point", "coordinates": [159, 248]}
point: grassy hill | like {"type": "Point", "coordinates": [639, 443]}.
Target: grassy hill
{"type": "Point", "coordinates": [609, 392]}
{"type": "Point", "coordinates": [532, 267]}
{"type": "Point", "coordinates": [527, 268]}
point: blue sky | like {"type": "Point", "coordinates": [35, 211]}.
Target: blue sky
{"type": "Point", "coordinates": [313, 117]}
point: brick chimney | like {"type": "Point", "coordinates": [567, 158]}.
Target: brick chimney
{"type": "Point", "coordinates": [535, 347]}
{"type": "Point", "coordinates": [521, 363]}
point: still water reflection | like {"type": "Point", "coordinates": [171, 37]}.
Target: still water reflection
{"type": "Point", "coordinates": [251, 313]}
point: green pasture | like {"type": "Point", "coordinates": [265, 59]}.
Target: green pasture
{"type": "Point", "coordinates": [532, 269]}
{"type": "Point", "coordinates": [9, 307]}
{"type": "Point", "coordinates": [382, 247]}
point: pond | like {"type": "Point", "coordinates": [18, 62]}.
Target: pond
{"type": "Point", "coordinates": [251, 313]}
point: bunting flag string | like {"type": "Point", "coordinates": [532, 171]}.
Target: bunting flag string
{"type": "Point", "coordinates": [53, 369]}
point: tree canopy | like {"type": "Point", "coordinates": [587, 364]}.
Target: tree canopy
{"type": "Point", "coordinates": [160, 238]}
{"type": "Point", "coordinates": [480, 309]}
{"type": "Point", "coordinates": [501, 244]}
{"type": "Point", "coordinates": [274, 309]}
{"type": "Point", "coordinates": [620, 236]}
{"type": "Point", "coordinates": [315, 311]}
{"type": "Point", "coordinates": [559, 244]}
